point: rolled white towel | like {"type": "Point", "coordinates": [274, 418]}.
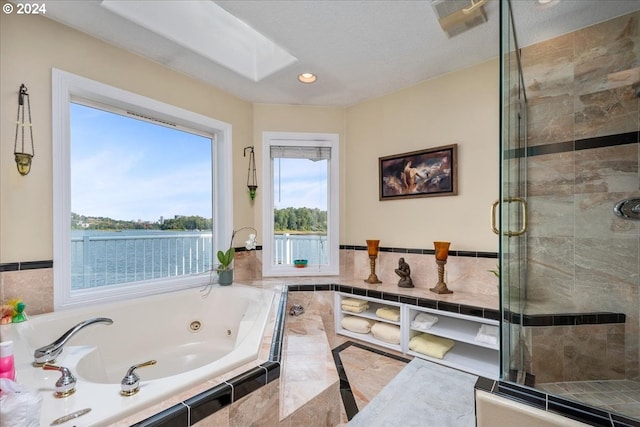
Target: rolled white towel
{"type": "Point", "coordinates": [424, 321]}
{"type": "Point", "coordinates": [386, 332]}
{"type": "Point", "coordinates": [488, 334]}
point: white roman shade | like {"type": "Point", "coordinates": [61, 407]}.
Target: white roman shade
{"type": "Point", "coordinates": [297, 152]}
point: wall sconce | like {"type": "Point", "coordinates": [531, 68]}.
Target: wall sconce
{"type": "Point", "coordinates": [252, 181]}
{"type": "Point", "coordinates": [23, 158]}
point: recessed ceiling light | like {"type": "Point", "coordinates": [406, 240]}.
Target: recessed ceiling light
{"type": "Point", "coordinates": [307, 78]}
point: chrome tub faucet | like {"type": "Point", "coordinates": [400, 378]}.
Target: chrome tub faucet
{"type": "Point", "coordinates": [48, 353]}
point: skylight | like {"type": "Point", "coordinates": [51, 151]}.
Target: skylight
{"type": "Point", "coordinates": [209, 30]}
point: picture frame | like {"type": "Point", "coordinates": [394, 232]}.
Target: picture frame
{"type": "Point", "coordinates": [425, 173]}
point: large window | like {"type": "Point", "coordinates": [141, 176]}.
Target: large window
{"type": "Point", "coordinates": [300, 214]}
{"type": "Point", "coordinates": [141, 199]}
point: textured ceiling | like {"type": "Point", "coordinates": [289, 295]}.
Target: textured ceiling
{"type": "Point", "coordinates": [358, 49]}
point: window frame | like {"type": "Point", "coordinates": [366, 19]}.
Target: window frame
{"type": "Point", "coordinates": [330, 140]}
{"type": "Point", "coordinates": [67, 88]}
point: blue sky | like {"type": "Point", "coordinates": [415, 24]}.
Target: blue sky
{"type": "Point", "coordinates": [129, 169]}
{"type": "Point", "coordinates": [302, 183]}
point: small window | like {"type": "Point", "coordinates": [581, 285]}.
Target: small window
{"type": "Point", "coordinates": [139, 191]}
{"type": "Point", "coordinates": [301, 204]}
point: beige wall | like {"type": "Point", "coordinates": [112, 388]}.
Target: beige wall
{"type": "Point", "coordinates": [459, 108]}
{"type": "Point", "coordinates": [298, 118]}
{"type": "Point", "coordinates": [30, 46]}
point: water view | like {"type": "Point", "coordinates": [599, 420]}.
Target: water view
{"type": "Point", "coordinates": [101, 258]}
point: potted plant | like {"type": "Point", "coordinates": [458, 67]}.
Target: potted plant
{"type": "Point", "coordinates": [225, 258]}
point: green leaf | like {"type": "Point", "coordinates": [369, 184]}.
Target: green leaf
{"type": "Point", "coordinates": [226, 258]}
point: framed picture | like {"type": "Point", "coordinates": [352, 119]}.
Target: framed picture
{"type": "Point", "coordinates": [425, 173]}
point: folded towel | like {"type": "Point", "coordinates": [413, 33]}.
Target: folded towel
{"type": "Point", "coordinates": [352, 309]}
{"type": "Point", "coordinates": [389, 313]}
{"type": "Point", "coordinates": [424, 321]}
{"type": "Point", "coordinates": [386, 332]}
{"type": "Point", "coordinates": [353, 302]}
{"type": "Point", "coordinates": [431, 345]}
{"type": "Point", "coordinates": [488, 334]}
{"type": "Point", "coordinates": [357, 324]}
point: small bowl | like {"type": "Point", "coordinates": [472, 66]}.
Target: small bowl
{"type": "Point", "coordinates": [300, 263]}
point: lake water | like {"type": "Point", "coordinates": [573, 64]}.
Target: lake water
{"type": "Point", "coordinates": [100, 258]}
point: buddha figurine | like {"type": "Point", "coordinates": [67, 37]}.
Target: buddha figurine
{"type": "Point", "coordinates": [404, 271]}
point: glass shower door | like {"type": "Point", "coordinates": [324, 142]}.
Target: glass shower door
{"type": "Point", "coordinates": [511, 207]}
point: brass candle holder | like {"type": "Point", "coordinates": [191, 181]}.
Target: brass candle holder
{"type": "Point", "coordinates": [442, 252]}
{"type": "Point", "coordinates": [372, 249]}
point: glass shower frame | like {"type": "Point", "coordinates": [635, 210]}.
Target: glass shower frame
{"type": "Point", "coordinates": [512, 203]}
{"type": "Point", "coordinates": [568, 289]}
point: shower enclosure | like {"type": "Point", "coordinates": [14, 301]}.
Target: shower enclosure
{"type": "Point", "coordinates": [569, 264]}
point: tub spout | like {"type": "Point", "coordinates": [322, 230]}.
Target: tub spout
{"type": "Point", "coordinates": [48, 353]}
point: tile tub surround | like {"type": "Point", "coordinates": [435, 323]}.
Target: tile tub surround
{"type": "Point", "coordinates": [303, 386]}
{"type": "Point", "coordinates": [467, 271]}
{"type": "Point", "coordinates": [321, 287]}
{"type": "Point", "coordinates": [30, 281]}
{"type": "Point", "coordinates": [233, 388]}
{"type": "Point", "coordinates": [309, 381]}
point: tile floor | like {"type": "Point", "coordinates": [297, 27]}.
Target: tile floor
{"type": "Point", "coordinates": [620, 396]}
{"type": "Point", "coordinates": [363, 372]}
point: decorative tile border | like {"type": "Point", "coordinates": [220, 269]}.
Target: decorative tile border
{"type": "Point", "coordinates": [31, 265]}
{"type": "Point", "coordinates": [27, 265]}
{"type": "Point", "coordinates": [486, 313]}
{"type": "Point", "coordinates": [471, 254]}
{"type": "Point", "coordinates": [346, 393]}
{"type": "Point", "coordinates": [580, 144]}
{"type": "Point", "coordinates": [547, 402]}
{"type": "Point", "coordinates": [564, 319]}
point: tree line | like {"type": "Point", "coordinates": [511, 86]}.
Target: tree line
{"type": "Point", "coordinates": [193, 222]}
{"type": "Point", "coordinates": [299, 219]}
{"type": "Point", "coordinates": [285, 221]}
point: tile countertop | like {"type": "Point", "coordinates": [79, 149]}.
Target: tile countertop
{"type": "Point", "coordinates": [457, 297]}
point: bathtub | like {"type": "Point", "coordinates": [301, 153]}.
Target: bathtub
{"type": "Point", "coordinates": [192, 338]}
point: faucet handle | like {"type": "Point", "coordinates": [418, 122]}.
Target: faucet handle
{"type": "Point", "coordinates": [130, 384]}
{"type": "Point", "coordinates": [66, 384]}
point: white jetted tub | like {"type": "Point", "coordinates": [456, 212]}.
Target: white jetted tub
{"type": "Point", "coordinates": [192, 339]}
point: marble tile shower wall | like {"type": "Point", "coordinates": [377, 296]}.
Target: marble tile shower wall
{"type": "Point", "coordinates": [583, 124]}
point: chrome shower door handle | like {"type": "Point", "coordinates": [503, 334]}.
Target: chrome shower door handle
{"type": "Point", "coordinates": [509, 233]}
